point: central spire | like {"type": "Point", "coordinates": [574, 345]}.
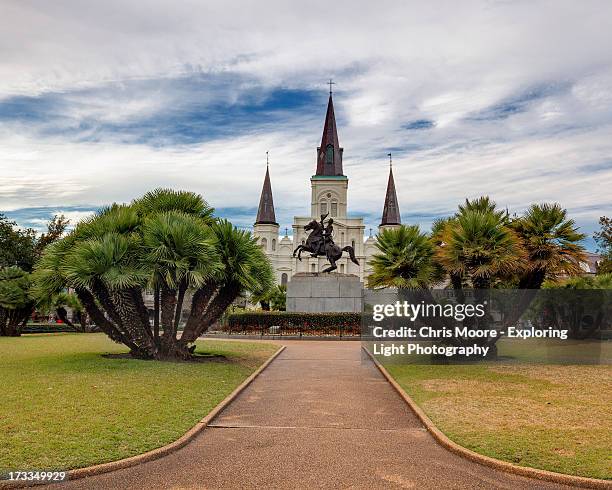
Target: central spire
{"type": "Point", "coordinates": [329, 154]}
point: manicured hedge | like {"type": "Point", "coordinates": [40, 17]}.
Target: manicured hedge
{"type": "Point", "coordinates": [290, 323]}
{"type": "Point", "coordinates": [47, 328]}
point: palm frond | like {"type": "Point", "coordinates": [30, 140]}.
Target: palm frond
{"type": "Point", "coordinates": [405, 259]}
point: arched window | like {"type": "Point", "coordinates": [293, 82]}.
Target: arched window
{"type": "Point", "coordinates": [323, 207]}
{"type": "Point", "coordinates": [342, 268]}
{"type": "Point", "coordinates": [353, 244]}
{"type": "Point", "coordinates": [313, 268]}
{"type": "Point", "coordinates": [334, 209]}
{"type": "Point", "coordinates": [264, 244]}
{"type": "Point", "coordinates": [274, 244]}
{"type": "Point", "coordinates": [329, 154]}
{"type": "Point", "coordinates": [284, 279]}
{"type": "Point", "coordinates": [342, 238]}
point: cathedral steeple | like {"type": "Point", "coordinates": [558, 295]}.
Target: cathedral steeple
{"type": "Point", "coordinates": [265, 213]}
{"type": "Point", "coordinates": [391, 213]}
{"type": "Point", "coordinates": [329, 154]}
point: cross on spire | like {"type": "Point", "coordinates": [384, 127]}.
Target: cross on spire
{"type": "Point", "coordinates": [390, 160]}
{"type": "Point", "coordinates": [267, 160]}
{"type": "Point", "coordinates": [330, 83]}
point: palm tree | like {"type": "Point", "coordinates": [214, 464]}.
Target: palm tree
{"type": "Point", "coordinates": [167, 241]}
{"type": "Point", "coordinates": [483, 204]}
{"type": "Point", "coordinates": [477, 246]}
{"type": "Point", "coordinates": [274, 299]}
{"type": "Point", "coordinates": [552, 242]}
{"type": "Point", "coordinates": [278, 298]}
{"type": "Point", "coordinates": [405, 259]}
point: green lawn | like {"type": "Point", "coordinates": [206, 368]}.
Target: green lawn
{"type": "Point", "coordinates": [64, 405]}
{"type": "Point", "coordinates": [553, 417]}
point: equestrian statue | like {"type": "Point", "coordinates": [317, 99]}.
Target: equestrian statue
{"type": "Point", "coordinates": [320, 242]}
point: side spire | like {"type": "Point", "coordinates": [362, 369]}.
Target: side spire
{"type": "Point", "coordinates": [265, 212]}
{"type": "Point", "coordinates": [391, 212]}
{"type": "Point", "coordinates": [329, 154]}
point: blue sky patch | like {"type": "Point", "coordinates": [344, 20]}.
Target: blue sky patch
{"type": "Point", "coordinates": [419, 124]}
{"type": "Point", "coordinates": [518, 103]}
{"type": "Point", "coordinates": [183, 110]}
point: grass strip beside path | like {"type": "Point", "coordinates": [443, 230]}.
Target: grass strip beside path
{"type": "Point", "coordinates": [552, 417]}
{"type": "Point", "coordinates": [65, 406]}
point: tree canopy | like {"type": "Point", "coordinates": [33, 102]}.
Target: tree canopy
{"type": "Point", "coordinates": [482, 247]}
{"type": "Point", "coordinates": [19, 251]}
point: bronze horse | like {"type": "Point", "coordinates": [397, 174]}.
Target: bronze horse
{"type": "Point", "coordinates": [332, 251]}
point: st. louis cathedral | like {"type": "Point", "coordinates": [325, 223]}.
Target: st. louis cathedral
{"type": "Point", "coordinates": [329, 196]}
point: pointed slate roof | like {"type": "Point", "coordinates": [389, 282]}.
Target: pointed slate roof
{"type": "Point", "coordinates": [265, 213]}
{"type": "Point", "coordinates": [333, 165]}
{"type": "Point", "coordinates": [391, 212]}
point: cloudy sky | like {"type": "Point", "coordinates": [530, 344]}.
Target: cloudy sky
{"type": "Point", "coordinates": [101, 101]}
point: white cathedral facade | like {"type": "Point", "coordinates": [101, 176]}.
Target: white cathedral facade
{"type": "Point", "coordinates": [329, 195]}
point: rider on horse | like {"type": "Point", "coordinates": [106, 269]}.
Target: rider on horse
{"type": "Point", "coordinates": [328, 233]}
{"type": "Point", "coordinates": [318, 242]}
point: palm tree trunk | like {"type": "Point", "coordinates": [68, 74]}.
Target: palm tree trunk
{"type": "Point", "coordinates": [89, 303]}
{"type": "Point", "coordinates": [14, 320]}
{"type": "Point", "coordinates": [63, 316]}
{"type": "Point", "coordinates": [143, 313]}
{"type": "Point", "coordinates": [82, 320]}
{"type": "Point", "coordinates": [179, 305]}
{"type": "Point", "coordinates": [199, 302]}
{"type": "Point", "coordinates": [217, 306]}
{"type": "Point", "coordinates": [3, 318]}
{"type": "Point", "coordinates": [109, 303]}
{"type": "Point", "coordinates": [133, 321]}
{"type": "Point", "coordinates": [168, 304]}
{"type": "Point", "coordinates": [171, 304]}
{"type": "Point", "coordinates": [156, 315]}
{"type": "Point", "coordinates": [100, 292]}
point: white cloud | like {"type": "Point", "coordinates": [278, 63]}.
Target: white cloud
{"type": "Point", "coordinates": [394, 63]}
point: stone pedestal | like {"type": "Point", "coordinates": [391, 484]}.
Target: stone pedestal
{"type": "Point", "coordinates": [324, 293]}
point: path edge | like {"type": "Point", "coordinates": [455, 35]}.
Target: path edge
{"type": "Point", "coordinates": [444, 441]}
{"type": "Point", "coordinates": [159, 452]}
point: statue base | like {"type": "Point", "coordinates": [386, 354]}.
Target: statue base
{"type": "Point", "coordinates": [313, 292]}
